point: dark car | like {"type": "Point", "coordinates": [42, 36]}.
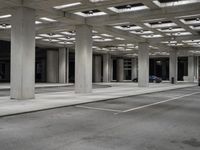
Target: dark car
{"type": "Point", "coordinates": [152, 79]}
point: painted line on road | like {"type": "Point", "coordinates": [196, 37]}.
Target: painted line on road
{"type": "Point", "coordinates": [156, 103]}
{"type": "Point", "coordinates": [101, 109]}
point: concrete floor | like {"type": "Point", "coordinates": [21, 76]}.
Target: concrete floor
{"type": "Point", "coordinates": [173, 123]}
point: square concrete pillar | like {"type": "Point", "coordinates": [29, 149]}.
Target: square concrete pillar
{"type": "Point", "coordinates": [173, 66]}
{"type": "Point", "coordinates": [111, 69]}
{"type": "Point", "coordinates": [97, 68]}
{"type": "Point", "coordinates": [134, 68]}
{"type": "Point", "coordinates": [106, 68]}
{"type": "Point", "coordinates": [120, 70]}
{"type": "Point", "coordinates": [143, 65]}
{"type": "Point", "coordinates": [83, 59]}
{"type": "Point", "coordinates": [191, 69]}
{"type": "Point", "coordinates": [52, 66]}
{"type": "Point", "coordinates": [63, 65]}
{"type": "Point", "coordinates": [23, 53]}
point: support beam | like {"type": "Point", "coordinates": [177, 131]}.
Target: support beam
{"type": "Point", "coordinates": [97, 68]}
{"type": "Point", "coordinates": [191, 68]}
{"type": "Point", "coordinates": [23, 53]}
{"type": "Point", "coordinates": [52, 66]}
{"type": "Point", "coordinates": [143, 65]}
{"type": "Point", "coordinates": [173, 66]}
{"type": "Point", "coordinates": [120, 70]}
{"type": "Point", "coordinates": [83, 59]}
{"type": "Point", "coordinates": [106, 67]}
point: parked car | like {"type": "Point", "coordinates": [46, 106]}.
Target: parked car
{"type": "Point", "coordinates": [152, 79]}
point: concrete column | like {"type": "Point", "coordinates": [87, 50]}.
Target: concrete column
{"type": "Point", "coordinates": [173, 66]}
{"type": "Point", "coordinates": [198, 68]}
{"type": "Point", "coordinates": [191, 68]}
{"type": "Point", "coordinates": [52, 66]}
{"type": "Point", "coordinates": [143, 65]}
{"type": "Point", "coordinates": [106, 68]}
{"type": "Point", "coordinates": [134, 68]}
{"type": "Point", "coordinates": [120, 70]}
{"type": "Point", "coordinates": [111, 69]}
{"type": "Point", "coordinates": [83, 59]}
{"type": "Point", "coordinates": [63, 65]}
{"type": "Point", "coordinates": [23, 53]}
{"type": "Point", "coordinates": [164, 70]}
{"type": "Point", "coordinates": [67, 65]}
{"type": "Point", "coordinates": [97, 69]}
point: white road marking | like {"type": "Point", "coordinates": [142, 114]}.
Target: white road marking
{"type": "Point", "coordinates": [101, 109]}
{"type": "Point", "coordinates": [156, 103]}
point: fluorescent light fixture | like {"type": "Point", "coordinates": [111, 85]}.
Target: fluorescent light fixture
{"type": "Point", "coordinates": [96, 1]}
{"type": "Point", "coordinates": [68, 43]}
{"type": "Point", "coordinates": [128, 28]}
{"type": "Point", "coordinates": [176, 3]}
{"type": "Point", "coordinates": [162, 25]}
{"type": "Point", "coordinates": [177, 44]}
{"type": "Point", "coordinates": [128, 9]}
{"type": "Point", "coordinates": [5, 16]}
{"type": "Point", "coordinates": [67, 5]}
{"type": "Point", "coordinates": [171, 30]}
{"type": "Point", "coordinates": [93, 31]}
{"type": "Point", "coordinates": [106, 35]}
{"type": "Point", "coordinates": [50, 40]}
{"type": "Point", "coordinates": [5, 26]}
{"type": "Point", "coordinates": [68, 33]}
{"type": "Point", "coordinates": [67, 39]}
{"type": "Point", "coordinates": [38, 22]}
{"type": "Point", "coordinates": [167, 42]}
{"type": "Point", "coordinates": [103, 40]}
{"type": "Point", "coordinates": [37, 37]}
{"type": "Point", "coordinates": [90, 15]}
{"type": "Point", "coordinates": [195, 27]}
{"type": "Point", "coordinates": [48, 19]}
{"type": "Point", "coordinates": [96, 37]}
{"type": "Point", "coordinates": [51, 36]}
{"type": "Point", "coordinates": [179, 33]}
{"type": "Point", "coordinates": [119, 38]}
{"type": "Point", "coordinates": [141, 32]}
{"type": "Point", "coordinates": [191, 41]}
{"type": "Point", "coordinates": [152, 36]}
{"type": "Point", "coordinates": [197, 21]}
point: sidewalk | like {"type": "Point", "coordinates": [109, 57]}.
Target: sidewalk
{"type": "Point", "coordinates": [46, 101]}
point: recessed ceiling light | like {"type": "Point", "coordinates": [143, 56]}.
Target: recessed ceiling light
{"type": "Point", "coordinates": [67, 5]}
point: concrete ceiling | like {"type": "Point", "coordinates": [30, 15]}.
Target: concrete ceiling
{"type": "Point", "coordinates": [119, 25]}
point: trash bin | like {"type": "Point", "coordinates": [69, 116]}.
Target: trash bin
{"type": "Point", "coordinates": [172, 80]}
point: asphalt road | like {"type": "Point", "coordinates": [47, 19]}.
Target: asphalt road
{"type": "Point", "coordinates": [160, 121]}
